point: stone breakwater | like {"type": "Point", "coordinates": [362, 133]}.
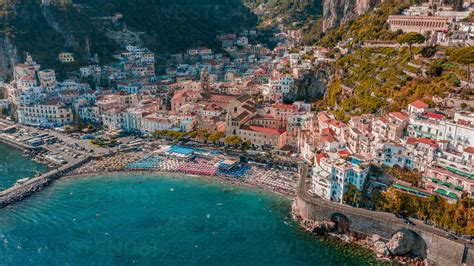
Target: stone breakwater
{"type": "Point", "coordinates": [26, 189]}
{"type": "Point", "coordinates": [16, 144]}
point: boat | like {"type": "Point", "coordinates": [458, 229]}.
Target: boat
{"type": "Point", "coordinates": [21, 181]}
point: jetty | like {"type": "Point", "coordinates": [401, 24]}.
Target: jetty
{"type": "Point", "coordinates": [19, 192]}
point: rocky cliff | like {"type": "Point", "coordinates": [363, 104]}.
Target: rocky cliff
{"type": "Point", "coordinates": [336, 12]}
{"type": "Point", "coordinates": [87, 27]}
{"type": "Point", "coordinates": [8, 53]}
{"type": "Point", "coordinates": [314, 84]}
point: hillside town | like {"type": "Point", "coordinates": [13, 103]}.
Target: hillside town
{"type": "Point", "coordinates": [246, 97]}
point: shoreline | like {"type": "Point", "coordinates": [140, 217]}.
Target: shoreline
{"type": "Point", "coordinates": [203, 179]}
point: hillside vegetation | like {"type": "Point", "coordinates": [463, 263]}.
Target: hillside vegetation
{"type": "Point", "coordinates": [371, 80]}
{"type": "Point", "coordinates": [83, 26]}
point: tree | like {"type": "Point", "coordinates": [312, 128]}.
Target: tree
{"type": "Point", "coordinates": [428, 51]}
{"type": "Point", "coordinates": [245, 145]}
{"type": "Point", "coordinates": [471, 17]}
{"type": "Point", "coordinates": [215, 136]}
{"type": "Point", "coordinates": [233, 141]}
{"type": "Point", "coordinates": [463, 56]}
{"type": "Point", "coordinates": [435, 71]}
{"type": "Point", "coordinates": [410, 38]}
{"type": "Point", "coordinates": [353, 196]}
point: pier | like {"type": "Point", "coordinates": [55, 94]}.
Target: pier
{"type": "Point", "coordinates": [19, 192]}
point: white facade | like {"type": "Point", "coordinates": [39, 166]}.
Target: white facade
{"type": "Point", "coordinates": [45, 115]}
{"type": "Point", "coordinates": [332, 177]}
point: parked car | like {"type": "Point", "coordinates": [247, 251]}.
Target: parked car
{"type": "Point", "coordinates": [451, 236]}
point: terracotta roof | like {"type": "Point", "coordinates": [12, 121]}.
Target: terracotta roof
{"type": "Point", "coordinates": [469, 149]}
{"type": "Point", "coordinates": [336, 123]}
{"type": "Point", "coordinates": [419, 104]}
{"type": "Point", "coordinates": [413, 141]}
{"type": "Point", "coordinates": [265, 130]}
{"type": "Point", "coordinates": [399, 115]}
{"type": "Point", "coordinates": [344, 152]}
{"type": "Point", "coordinates": [319, 156]}
{"type": "Point", "coordinates": [284, 106]}
{"type": "Point", "coordinates": [327, 132]}
{"type": "Point", "coordinates": [434, 115]}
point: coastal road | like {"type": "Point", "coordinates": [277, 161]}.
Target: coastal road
{"type": "Point", "coordinates": [380, 216]}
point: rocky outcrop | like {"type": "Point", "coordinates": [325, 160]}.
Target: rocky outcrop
{"type": "Point", "coordinates": [381, 248]}
{"type": "Point", "coordinates": [8, 55]}
{"type": "Point", "coordinates": [336, 12]}
{"type": "Point", "coordinates": [314, 84]}
{"type": "Point", "coordinates": [318, 227]}
{"type": "Point", "coordinates": [406, 242]}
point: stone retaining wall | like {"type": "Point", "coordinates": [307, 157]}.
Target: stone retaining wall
{"type": "Point", "coordinates": [440, 250]}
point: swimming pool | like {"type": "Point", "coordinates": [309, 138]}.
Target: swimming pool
{"type": "Point", "coordinates": [181, 150]}
{"type": "Point", "coordinates": [355, 161]}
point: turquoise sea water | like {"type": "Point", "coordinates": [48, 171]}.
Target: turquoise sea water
{"type": "Point", "coordinates": [138, 219]}
{"type": "Point", "coordinates": [14, 166]}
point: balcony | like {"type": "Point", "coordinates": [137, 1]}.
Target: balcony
{"type": "Point", "coordinates": [456, 166]}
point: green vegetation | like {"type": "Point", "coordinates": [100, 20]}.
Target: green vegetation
{"type": "Point", "coordinates": [352, 196]}
{"type": "Point", "coordinates": [233, 141]}
{"type": "Point", "coordinates": [374, 79]}
{"type": "Point", "coordinates": [104, 142]}
{"type": "Point", "coordinates": [176, 25]}
{"type": "Point", "coordinates": [428, 51]}
{"type": "Point", "coordinates": [301, 12]}
{"type": "Point", "coordinates": [197, 135]}
{"type": "Point", "coordinates": [410, 38]}
{"type": "Point", "coordinates": [455, 217]}
{"type": "Point", "coordinates": [169, 134]}
{"type": "Point", "coordinates": [169, 25]}
{"type": "Point", "coordinates": [371, 26]}
{"type": "Point", "coordinates": [471, 17]}
{"type": "Point", "coordinates": [236, 142]}
{"type": "Point", "coordinates": [413, 177]}
{"type": "Point", "coordinates": [463, 56]}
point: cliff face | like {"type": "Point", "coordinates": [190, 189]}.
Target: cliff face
{"type": "Point", "coordinates": [8, 54]}
{"type": "Point", "coordinates": [87, 27]}
{"type": "Point", "coordinates": [313, 85]}
{"type": "Point", "coordinates": [336, 12]}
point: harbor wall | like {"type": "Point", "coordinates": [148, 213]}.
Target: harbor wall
{"type": "Point", "coordinates": [17, 144]}
{"type": "Point", "coordinates": [20, 192]}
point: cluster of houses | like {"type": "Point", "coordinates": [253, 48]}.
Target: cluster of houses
{"type": "Point", "coordinates": [438, 145]}
{"type": "Point", "coordinates": [443, 24]}
{"type": "Point", "coordinates": [245, 92]}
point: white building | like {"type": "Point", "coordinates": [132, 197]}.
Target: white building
{"type": "Point", "coordinates": [332, 177]}
{"type": "Point", "coordinates": [45, 115]}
